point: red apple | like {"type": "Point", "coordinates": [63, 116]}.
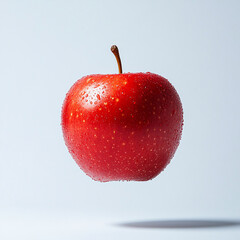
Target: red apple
{"type": "Point", "coordinates": [124, 126]}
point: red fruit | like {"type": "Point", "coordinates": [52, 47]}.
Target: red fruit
{"type": "Point", "coordinates": [122, 126]}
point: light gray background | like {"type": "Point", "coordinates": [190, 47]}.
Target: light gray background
{"type": "Point", "coordinates": [45, 46]}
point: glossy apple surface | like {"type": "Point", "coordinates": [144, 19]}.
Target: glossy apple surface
{"type": "Point", "coordinates": [122, 126]}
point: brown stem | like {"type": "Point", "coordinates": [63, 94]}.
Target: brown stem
{"type": "Point", "coordinates": [115, 51]}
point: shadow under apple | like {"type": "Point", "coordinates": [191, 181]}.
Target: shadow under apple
{"type": "Point", "coordinates": [191, 223]}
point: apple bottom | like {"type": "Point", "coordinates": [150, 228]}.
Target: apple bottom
{"type": "Point", "coordinates": [105, 171]}
{"type": "Point", "coordinates": [123, 161]}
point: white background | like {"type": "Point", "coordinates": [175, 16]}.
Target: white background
{"type": "Point", "coordinates": [45, 46]}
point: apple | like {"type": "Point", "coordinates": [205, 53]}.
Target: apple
{"type": "Point", "coordinates": [124, 126]}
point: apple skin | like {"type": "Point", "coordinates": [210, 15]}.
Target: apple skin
{"type": "Point", "coordinates": [122, 126]}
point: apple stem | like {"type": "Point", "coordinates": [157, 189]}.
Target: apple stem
{"type": "Point", "coordinates": [115, 51]}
